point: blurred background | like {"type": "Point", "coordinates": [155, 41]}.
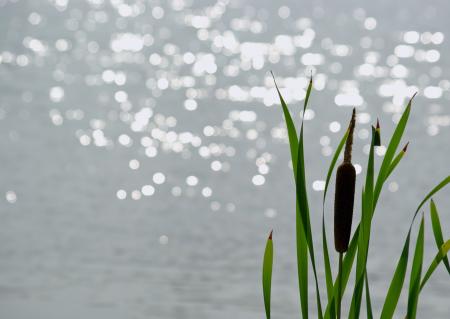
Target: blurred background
{"type": "Point", "coordinates": [144, 156]}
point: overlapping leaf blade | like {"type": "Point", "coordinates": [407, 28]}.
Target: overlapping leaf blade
{"type": "Point", "coordinates": [303, 226]}
{"type": "Point", "coordinates": [399, 275]}
{"type": "Point", "coordinates": [368, 300]}
{"type": "Point", "coordinates": [302, 199]}
{"type": "Point", "coordinates": [267, 274]}
{"type": "Point", "coordinates": [347, 265]}
{"type": "Point", "coordinates": [416, 272]}
{"type": "Point", "coordinates": [443, 251]}
{"type": "Point", "coordinates": [396, 285]}
{"type": "Point", "coordinates": [364, 235]}
{"type": "Point", "coordinates": [437, 230]}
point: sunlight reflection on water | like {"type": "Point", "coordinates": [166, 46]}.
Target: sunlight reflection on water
{"type": "Point", "coordinates": [179, 97]}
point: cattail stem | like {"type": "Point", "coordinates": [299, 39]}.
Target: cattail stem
{"type": "Point", "coordinates": [349, 142]}
{"type": "Point", "coordinates": [339, 287]}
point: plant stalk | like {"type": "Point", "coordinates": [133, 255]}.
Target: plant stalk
{"type": "Point", "coordinates": [339, 287]}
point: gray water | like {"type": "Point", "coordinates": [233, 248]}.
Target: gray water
{"type": "Point", "coordinates": [144, 157]}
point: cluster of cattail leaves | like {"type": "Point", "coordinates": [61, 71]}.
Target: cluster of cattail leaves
{"type": "Point", "coordinates": [357, 245]}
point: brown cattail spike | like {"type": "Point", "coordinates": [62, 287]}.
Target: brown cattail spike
{"type": "Point", "coordinates": [344, 195]}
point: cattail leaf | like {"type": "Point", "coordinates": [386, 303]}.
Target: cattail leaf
{"type": "Point", "coordinates": [437, 230]}
{"type": "Point", "coordinates": [302, 265]}
{"type": "Point", "coordinates": [436, 189]}
{"type": "Point", "coordinates": [326, 259]}
{"type": "Point", "coordinates": [349, 259]}
{"type": "Point", "coordinates": [443, 250]}
{"type": "Point", "coordinates": [396, 285]}
{"type": "Point", "coordinates": [290, 126]}
{"type": "Point", "coordinates": [355, 305]}
{"type": "Point", "coordinates": [416, 272]}
{"type": "Point", "coordinates": [368, 300]}
{"type": "Point", "coordinates": [302, 200]}
{"type": "Point", "coordinates": [364, 235]}
{"type": "Point", "coordinates": [391, 149]}
{"type": "Point", "coordinates": [302, 220]}
{"type": "Point", "coordinates": [303, 227]}
{"type": "Point", "coordinates": [357, 290]}
{"type": "Point", "coordinates": [301, 190]}
{"type": "Point", "coordinates": [399, 276]}
{"type": "Point", "coordinates": [395, 161]}
{"type": "Point", "coordinates": [308, 93]}
{"type": "Point", "coordinates": [267, 274]}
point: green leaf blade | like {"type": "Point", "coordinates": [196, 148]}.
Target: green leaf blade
{"type": "Point", "coordinates": [391, 149]}
{"type": "Point", "coordinates": [396, 285]}
{"type": "Point", "coordinates": [302, 257]}
{"type": "Point", "coordinates": [267, 274]}
{"type": "Point", "coordinates": [436, 189]}
{"type": "Point", "coordinates": [437, 231]}
{"type": "Point", "coordinates": [368, 300]}
{"type": "Point", "coordinates": [302, 265]}
{"type": "Point", "coordinates": [290, 126]}
{"type": "Point", "coordinates": [443, 250]}
{"type": "Point", "coordinates": [416, 271]}
{"type": "Point", "coordinates": [347, 265]}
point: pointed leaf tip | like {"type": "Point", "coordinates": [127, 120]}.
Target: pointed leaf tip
{"type": "Point", "coordinates": [270, 235]}
{"type": "Point", "coordinates": [273, 77]}
{"type": "Point", "coordinates": [405, 148]}
{"type": "Point", "coordinates": [378, 124]}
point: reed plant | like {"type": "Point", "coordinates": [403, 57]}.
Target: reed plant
{"type": "Point", "coordinates": [353, 249]}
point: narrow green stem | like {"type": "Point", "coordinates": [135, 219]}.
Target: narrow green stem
{"type": "Point", "coordinates": [339, 287]}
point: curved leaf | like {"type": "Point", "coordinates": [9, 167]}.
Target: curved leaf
{"type": "Point", "coordinates": [416, 272]}
{"type": "Point", "coordinates": [437, 230]}
{"type": "Point", "coordinates": [437, 259]}
{"type": "Point", "coordinates": [267, 274]}
{"type": "Point", "coordinates": [396, 285]}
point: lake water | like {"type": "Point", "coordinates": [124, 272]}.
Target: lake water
{"type": "Point", "coordinates": [144, 157]}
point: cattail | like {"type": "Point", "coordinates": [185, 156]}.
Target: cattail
{"type": "Point", "coordinates": [377, 136]}
{"type": "Point", "coordinates": [345, 194]}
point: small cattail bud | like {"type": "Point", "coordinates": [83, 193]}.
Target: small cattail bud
{"type": "Point", "coordinates": [405, 148]}
{"type": "Point", "coordinates": [377, 136]}
{"type": "Point", "coordinates": [345, 195]}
